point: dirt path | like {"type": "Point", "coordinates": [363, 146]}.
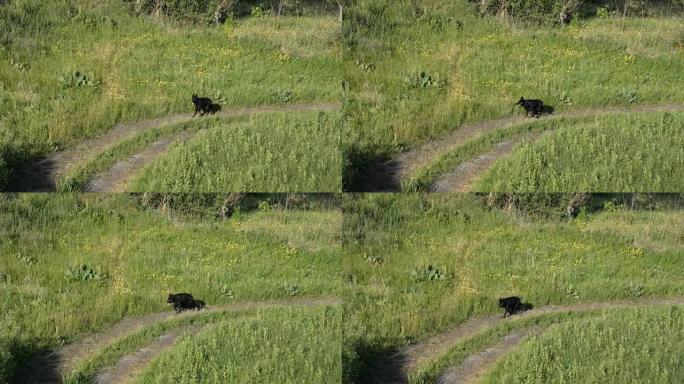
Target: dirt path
{"type": "Point", "coordinates": [128, 367]}
{"type": "Point", "coordinates": [43, 175]}
{"type": "Point", "coordinates": [387, 176]}
{"type": "Point", "coordinates": [396, 367]}
{"type": "Point", "coordinates": [50, 367]}
{"type": "Point", "coordinates": [476, 365]}
{"type": "Point", "coordinates": [119, 176]}
{"type": "Point", "coordinates": [462, 178]}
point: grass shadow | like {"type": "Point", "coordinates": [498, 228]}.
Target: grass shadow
{"type": "Point", "coordinates": [37, 366]}
{"type": "Point", "coordinates": [30, 173]}
{"type": "Point", "coordinates": [367, 170]}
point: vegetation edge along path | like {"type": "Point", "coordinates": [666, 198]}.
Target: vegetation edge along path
{"type": "Point", "coordinates": [44, 175]}
{"type": "Point", "coordinates": [395, 368]}
{"type": "Point", "coordinates": [51, 366]}
{"type": "Point", "coordinates": [475, 365]}
{"type": "Point", "coordinates": [130, 365]}
{"type": "Point", "coordinates": [387, 176]}
{"type": "Point", "coordinates": [462, 178]}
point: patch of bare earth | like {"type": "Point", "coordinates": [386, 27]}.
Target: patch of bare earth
{"type": "Point", "coordinates": [472, 368]}
{"type": "Point", "coordinates": [130, 366]}
{"type": "Point", "coordinates": [386, 176]}
{"type": "Point", "coordinates": [462, 178]}
{"type": "Point", "coordinates": [118, 177]}
{"type": "Point", "coordinates": [43, 175]}
{"type": "Point", "coordinates": [396, 367]}
{"type": "Point", "coordinates": [52, 366]}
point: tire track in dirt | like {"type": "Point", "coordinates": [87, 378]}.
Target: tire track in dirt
{"type": "Point", "coordinates": [50, 367]}
{"type": "Point", "coordinates": [129, 366]}
{"type": "Point", "coordinates": [386, 176]}
{"type": "Point", "coordinates": [476, 365]}
{"type": "Point", "coordinates": [43, 175]}
{"type": "Point", "coordinates": [395, 368]}
{"type": "Point", "coordinates": [462, 178]}
{"type": "Point", "coordinates": [118, 177]}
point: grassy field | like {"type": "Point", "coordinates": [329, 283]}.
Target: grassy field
{"type": "Point", "coordinates": [632, 153]}
{"type": "Point", "coordinates": [310, 338]}
{"type": "Point", "coordinates": [75, 264]}
{"type": "Point", "coordinates": [576, 154]}
{"type": "Point", "coordinates": [417, 264]}
{"type": "Point", "coordinates": [73, 69]}
{"type": "Point", "coordinates": [419, 70]}
{"type": "Point", "coordinates": [629, 346]}
{"type": "Point", "coordinates": [279, 153]}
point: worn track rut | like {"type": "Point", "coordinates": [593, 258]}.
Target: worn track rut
{"type": "Point", "coordinates": [44, 175]}
{"type": "Point", "coordinates": [387, 176]}
{"type": "Point", "coordinates": [476, 365]}
{"type": "Point", "coordinates": [51, 367]}
{"type": "Point", "coordinates": [396, 367]}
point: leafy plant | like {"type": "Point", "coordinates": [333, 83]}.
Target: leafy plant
{"type": "Point", "coordinates": [265, 206]}
{"type": "Point", "coordinates": [603, 13]}
{"type": "Point", "coordinates": [429, 273]}
{"type": "Point", "coordinates": [77, 79]}
{"type": "Point", "coordinates": [285, 95]}
{"type": "Point", "coordinates": [424, 80]}
{"type": "Point", "coordinates": [257, 12]}
{"type": "Point", "coordinates": [372, 259]}
{"type": "Point", "coordinates": [292, 289]}
{"type": "Point", "coordinates": [565, 99]}
{"type": "Point", "coordinates": [226, 291]}
{"type": "Point", "coordinates": [83, 273]}
{"type": "Point", "coordinates": [636, 290]}
{"type": "Point", "coordinates": [629, 95]}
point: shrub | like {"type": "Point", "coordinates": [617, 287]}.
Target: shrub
{"type": "Point", "coordinates": [428, 273]}
{"type": "Point", "coordinates": [83, 273]}
{"type": "Point", "coordinates": [534, 11]}
{"type": "Point", "coordinates": [77, 79]}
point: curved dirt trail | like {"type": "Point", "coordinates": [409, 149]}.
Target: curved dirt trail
{"type": "Point", "coordinates": [118, 177]}
{"type": "Point", "coordinates": [43, 175]}
{"type": "Point", "coordinates": [50, 367]}
{"type": "Point", "coordinates": [396, 367]}
{"type": "Point", "coordinates": [130, 365]}
{"type": "Point", "coordinates": [476, 365]}
{"type": "Point", "coordinates": [387, 176]}
{"type": "Point", "coordinates": [462, 178]}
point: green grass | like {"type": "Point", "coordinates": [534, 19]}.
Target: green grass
{"type": "Point", "coordinates": [424, 177]}
{"type": "Point", "coordinates": [108, 356]}
{"type": "Point", "coordinates": [635, 346]}
{"type": "Point", "coordinates": [480, 66]}
{"type": "Point", "coordinates": [482, 254]}
{"type": "Point", "coordinates": [77, 179]}
{"type": "Point", "coordinates": [616, 154]}
{"type": "Point", "coordinates": [140, 67]}
{"type": "Point", "coordinates": [277, 153]}
{"type": "Point", "coordinates": [138, 256]}
{"type": "Point", "coordinates": [304, 347]}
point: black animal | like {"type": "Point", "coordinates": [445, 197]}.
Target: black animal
{"type": "Point", "coordinates": [204, 105]}
{"type": "Point", "coordinates": [531, 106]}
{"type": "Point", "coordinates": [511, 305]}
{"type": "Point", "coordinates": [184, 302]}
{"type": "Point", "coordinates": [199, 304]}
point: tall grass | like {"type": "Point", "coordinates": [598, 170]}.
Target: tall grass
{"type": "Point", "coordinates": [628, 346]}
{"type": "Point", "coordinates": [478, 255]}
{"type": "Point", "coordinates": [303, 347]}
{"type": "Point", "coordinates": [480, 66]}
{"type": "Point", "coordinates": [615, 154]}
{"type": "Point", "coordinates": [279, 153]}
{"type": "Point", "coordinates": [138, 67]}
{"type": "Point", "coordinates": [134, 257]}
